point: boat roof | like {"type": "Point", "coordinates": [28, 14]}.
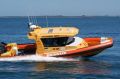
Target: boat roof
{"type": "Point", "coordinates": [50, 32]}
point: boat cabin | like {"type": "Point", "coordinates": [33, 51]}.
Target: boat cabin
{"type": "Point", "coordinates": [52, 37]}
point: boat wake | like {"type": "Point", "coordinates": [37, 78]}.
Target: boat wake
{"type": "Point", "coordinates": [35, 58]}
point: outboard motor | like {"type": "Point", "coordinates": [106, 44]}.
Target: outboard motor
{"type": "Point", "coordinates": [2, 47]}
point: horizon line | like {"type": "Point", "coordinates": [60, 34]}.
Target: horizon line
{"type": "Point", "coordinates": [66, 16]}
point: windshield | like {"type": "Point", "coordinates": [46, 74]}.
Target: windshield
{"type": "Point", "coordinates": [61, 41]}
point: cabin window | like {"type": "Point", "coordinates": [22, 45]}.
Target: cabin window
{"type": "Point", "coordinates": [61, 41]}
{"type": "Point", "coordinates": [50, 30]}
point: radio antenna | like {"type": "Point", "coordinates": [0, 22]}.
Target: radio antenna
{"type": "Point", "coordinates": [36, 22]}
{"type": "Point", "coordinates": [46, 21]}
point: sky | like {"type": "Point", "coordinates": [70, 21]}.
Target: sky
{"type": "Point", "coordinates": [59, 7]}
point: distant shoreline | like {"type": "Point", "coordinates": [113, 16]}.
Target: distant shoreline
{"type": "Point", "coordinates": [55, 16]}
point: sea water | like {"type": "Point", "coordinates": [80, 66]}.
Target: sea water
{"type": "Point", "coordinates": [105, 65]}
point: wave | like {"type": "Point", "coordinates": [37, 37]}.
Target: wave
{"type": "Point", "coordinates": [35, 58]}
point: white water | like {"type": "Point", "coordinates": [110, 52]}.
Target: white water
{"type": "Point", "coordinates": [35, 58]}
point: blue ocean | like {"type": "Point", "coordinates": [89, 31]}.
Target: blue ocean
{"type": "Point", "coordinates": [105, 65]}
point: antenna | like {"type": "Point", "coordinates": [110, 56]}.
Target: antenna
{"type": "Point", "coordinates": [36, 22]}
{"type": "Point", "coordinates": [29, 19]}
{"type": "Point", "coordinates": [46, 21]}
{"type": "Point", "coordinates": [33, 20]}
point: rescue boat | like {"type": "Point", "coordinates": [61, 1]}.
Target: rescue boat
{"type": "Point", "coordinates": [59, 42]}
{"type": "Point", "coordinates": [63, 42]}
